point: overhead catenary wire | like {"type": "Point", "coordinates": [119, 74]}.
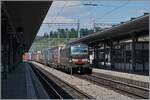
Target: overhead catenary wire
{"type": "Point", "coordinates": [92, 4]}
{"type": "Point", "coordinates": [65, 5]}
{"type": "Point", "coordinates": [59, 13]}
{"type": "Point", "coordinates": [109, 12]}
{"type": "Point", "coordinates": [116, 8]}
{"type": "Point", "coordinates": [62, 8]}
{"type": "Point", "coordinates": [92, 19]}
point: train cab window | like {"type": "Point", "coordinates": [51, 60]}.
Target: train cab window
{"type": "Point", "coordinates": [79, 50]}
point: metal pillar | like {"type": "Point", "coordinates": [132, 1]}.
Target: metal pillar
{"type": "Point", "coordinates": [49, 40]}
{"type": "Point", "coordinates": [58, 36]}
{"type": "Point", "coordinates": [111, 54]}
{"type": "Point", "coordinates": [104, 54]}
{"type": "Point", "coordinates": [143, 58]}
{"type": "Point", "coordinates": [94, 26]}
{"type": "Point", "coordinates": [67, 37]}
{"type": "Point", "coordinates": [133, 53]}
{"type": "Point", "coordinates": [78, 28]}
{"type": "Point", "coordinates": [96, 56]}
{"type": "Point", "coordinates": [124, 57]}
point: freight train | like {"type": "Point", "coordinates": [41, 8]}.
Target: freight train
{"type": "Point", "coordinates": [69, 58]}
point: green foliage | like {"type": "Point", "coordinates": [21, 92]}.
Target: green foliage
{"type": "Point", "coordinates": [98, 29]}
{"type": "Point", "coordinates": [41, 43]}
{"type": "Point", "coordinates": [46, 35]}
{"type": "Point", "coordinates": [51, 39]}
{"type": "Point", "coordinates": [86, 31]}
{"type": "Point", "coordinates": [73, 33]}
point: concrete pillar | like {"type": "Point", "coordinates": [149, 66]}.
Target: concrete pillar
{"type": "Point", "coordinates": [4, 57]}
{"type": "Point", "coordinates": [13, 50]}
{"type": "Point", "coordinates": [4, 61]}
{"type": "Point", "coordinates": [10, 53]}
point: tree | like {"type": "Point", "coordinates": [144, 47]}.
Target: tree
{"type": "Point", "coordinates": [67, 33]}
{"type": "Point", "coordinates": [73, 33]}
{"type": "Point", "coordinates": [45, 35]}
{"type": "Point", "coordinates": [85, 31]}
{"type": "Point", "coordinates": [55, 34]}
{"type": "Point", "coordinates": [98, 29]}
{"type": "Point", "coordinates": [82, 32]}
{"type": "Point", "coordinates": [90, 31]}
{"type": "Point", "coordinates": [62, 33]}
{"type": "Point", "coordinates": [50, 34]}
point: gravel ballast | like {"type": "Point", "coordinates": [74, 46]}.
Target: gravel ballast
{"type": "Point", "coordinates": [96, 91]}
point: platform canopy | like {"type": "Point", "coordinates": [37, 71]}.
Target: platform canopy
{"type": "Point", "coordinates": [26, 18]}
{"type": "Point", "coordinates": [136, 26]}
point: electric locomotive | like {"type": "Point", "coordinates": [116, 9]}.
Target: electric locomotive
{"type": "Point", "coordinates": [70, 58]}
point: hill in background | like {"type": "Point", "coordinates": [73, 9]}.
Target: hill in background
{"type": "Point", "coordinates": [41, 43]}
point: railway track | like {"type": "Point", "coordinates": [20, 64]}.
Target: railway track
{"type": "Point", "coordinates": [129, 81]}
{"type": "Point", "coordinates": [118, 86]}
{"type": "Point", "coordinates": [56, 88]}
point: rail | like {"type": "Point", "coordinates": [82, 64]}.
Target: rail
{"type": "Point", "coordinates": [121, 87]}
{"type": "Point", "coordinates": [62, 89]}
{"type": "Point", "coordinates": [49, 88]}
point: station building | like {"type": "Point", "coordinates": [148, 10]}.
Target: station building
{"type": "Point", "coordinates": [123, 47]}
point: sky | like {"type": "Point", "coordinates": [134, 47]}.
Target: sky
{"type": "Point", "coordinates": [105, 11]}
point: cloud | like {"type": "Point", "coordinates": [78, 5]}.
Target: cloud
{"type": "Point", "coordinates": [66, 3]}
{"type": "Point", "coordinates": [63, 9]}
{"type": "Point", "coordinates": [64, 6]}
{"type": "Point", "coordinates": [59, 19]}
{"type": "Point", "coordinates": [140, 11]}
{"type": "Point", "coordinates": [87, 25]}
{"type": "Point", "coordinates": [85, 14]}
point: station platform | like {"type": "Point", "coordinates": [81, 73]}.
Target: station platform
{"type": "Point", "coordinates": [22, 83]}
{"type": "Point", "coordinates": [136, 77]}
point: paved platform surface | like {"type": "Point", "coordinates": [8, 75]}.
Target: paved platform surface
{"type": "Point", "coordinates": [141, 78]}
{"type": "Point", "coordinates": [20, 84]}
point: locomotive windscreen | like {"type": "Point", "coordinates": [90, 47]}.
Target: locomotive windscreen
{"type": "Point", "coordinates": [77, 50]}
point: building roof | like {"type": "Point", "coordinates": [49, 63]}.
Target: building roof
{"type": "Point", "coordinates": [133, 26]}
{"type": "Point", "coordinates": [28, 17]}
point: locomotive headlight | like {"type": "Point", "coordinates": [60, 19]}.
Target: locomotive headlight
{"type": "Point", "coordinates": [85, 60]}
{"type": "Point", "coordinates": [74, 60]}
{"type": "Point", "coordinates": [70, 60]}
